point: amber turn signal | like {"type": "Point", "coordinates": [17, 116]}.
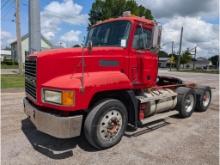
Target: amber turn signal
{"type": "Point", "coordinates": [68, 98]}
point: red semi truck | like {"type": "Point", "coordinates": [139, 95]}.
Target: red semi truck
{"type": "Point", "coordinates": [110, 82]}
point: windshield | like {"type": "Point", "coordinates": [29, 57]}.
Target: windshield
{"type": "Point", "coordinates": [109, 34]}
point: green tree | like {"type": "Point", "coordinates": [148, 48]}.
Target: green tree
{"type": "Point", "coordinates": [163, 54]}
{"type": "Point", "coordinates": [215, 60]}
{"type": "Point", "coordinates": [185, 58]}
{"type": "Point", "coordinates": [104, 9]}
{"type": "Point", "coordinates": [172, 58]}
{"type": "Point", "coordinates": [76, 46]}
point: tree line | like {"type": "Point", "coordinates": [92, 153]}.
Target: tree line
{"type": "Point", "coordinates": [105, 9]}
{"type": "Point", "coordinates": [186, 57]}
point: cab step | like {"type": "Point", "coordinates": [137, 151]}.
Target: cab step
{"type": "Point", "coordinates": [158, 116]}
{"type": "Point", "coordinates": [149, 124]}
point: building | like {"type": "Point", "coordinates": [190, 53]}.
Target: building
{"type": "Point", "coordinates": [163, 62]}
{"type": "Point", "coordinates": [200, 63]}
{"type": "Point", "coordinates": [5, 54]}
{"type": "Point", "coordinates": [45, 44]}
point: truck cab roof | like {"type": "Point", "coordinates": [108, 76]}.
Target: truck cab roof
{"type": "Point", "coordinates": [128, 18]}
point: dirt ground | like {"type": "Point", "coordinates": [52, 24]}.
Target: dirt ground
{"type": "Point", "coordinates": [194, 140]}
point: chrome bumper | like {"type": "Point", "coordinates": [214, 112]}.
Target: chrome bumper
{"type": "Point", "coordinates": [59, 127]}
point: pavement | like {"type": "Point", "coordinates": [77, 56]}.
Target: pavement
{"type": "Point", "coordinates": [9, 71]}
{"type": "Point", "coordinates": [194, 140]}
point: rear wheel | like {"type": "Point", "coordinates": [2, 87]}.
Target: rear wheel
{"type": "Point", "coordinates": [204, 95]}
{"type": "Point", "coordinates": [106, 123]}
{"type": "Point", "coordinates": [186, 101]}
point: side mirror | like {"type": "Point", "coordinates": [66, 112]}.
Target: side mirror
{"type": "Point", "coordinates": [157, 37]}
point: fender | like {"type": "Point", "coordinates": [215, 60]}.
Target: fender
{"type": "Point", "coordinates": [107, 80]}
{"type": "Point", "coordinates": [94, 82]}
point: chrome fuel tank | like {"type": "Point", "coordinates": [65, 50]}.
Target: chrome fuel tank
{"type": "Point", "coordinates": [158, 101]}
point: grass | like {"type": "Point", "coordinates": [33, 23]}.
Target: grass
{"type": "Point", "coordinates": [214, 71]}
{"type": "Point", "coordinates": [201, 71]}
{"type": "Point", "coordinates": [12, 81]}
{"type": "Point", "coordinates": [5, 66]}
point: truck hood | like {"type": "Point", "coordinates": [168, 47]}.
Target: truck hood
{"type": "Point", "coordinates": [76, 51]}
{"type": "Point", "coordinates": [58, 62]}
{"type": "Point", "coordinates": [60, 51]}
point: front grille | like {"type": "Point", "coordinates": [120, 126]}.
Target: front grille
{"type": "Point", "coordinates": [30, 77]}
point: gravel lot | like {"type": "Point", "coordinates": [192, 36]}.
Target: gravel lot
{"type": "Point", "coordinates": [178, 141]}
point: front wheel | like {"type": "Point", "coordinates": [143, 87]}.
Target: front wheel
{"type": "Point", "coordinates": [105, 124]}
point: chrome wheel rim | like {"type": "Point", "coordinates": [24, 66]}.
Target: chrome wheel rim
{"type": "Point", "coordinates": [110, 125]}
{"type": "Point", "coordinates": [206, 98]}
{"type": "Point", "coordinates": [189, 102]}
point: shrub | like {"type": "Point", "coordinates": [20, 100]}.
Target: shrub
{"type": "Point", "coordinates": [9, 62]}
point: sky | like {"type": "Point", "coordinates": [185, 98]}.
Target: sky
{"type": "Point", "coordinates": [65, 21]}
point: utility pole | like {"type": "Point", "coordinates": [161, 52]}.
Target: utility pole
{"type": "Point", "coordinates": [34, 26]}
{"type": "Point", "coordinates": [60, 44]}
{"type": "Point", "coordinates": [18, 35]}
{"type": "Point", "coordinates": [171, 55]}
{"type": "Point", "coordinates": [180, 49]}
{"type": "Point", "coordinates": [194, 59]}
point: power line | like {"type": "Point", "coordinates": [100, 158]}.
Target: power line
{"type": "Point", "coordinates": [11, 6]}
{"type": "Point", "coordinates": [6, 11]}
{"type": "Point", "coordinates": [11, 16]}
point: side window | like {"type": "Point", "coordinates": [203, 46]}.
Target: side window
{"type": "Point", "coordinates": [142, 38]}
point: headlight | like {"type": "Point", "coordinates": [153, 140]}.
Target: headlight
{"type": "Point", "coordinates": [66, 98]}
{"type": "Point", "coordinates": [53, 96]}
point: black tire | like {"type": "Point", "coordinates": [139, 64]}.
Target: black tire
{"type": "Point", "coordinates": [92, 125]}
{"type": "Point", "coordinates": [201, 92]}
{"type": "Point", "coordinates": [183, 96]}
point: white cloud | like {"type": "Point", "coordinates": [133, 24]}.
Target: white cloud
{"type": "Point", "coordinates": [196, 33]}
{"type": "Point", "coordinates": [71, 37]}
{"type": "Point", "coordinates": [170, 8]}
{"type": "Point", "coordinates": [49, 26]}
{"type": "Point", "coordinates": [191, 14]}
{"type": "Point", "coordinates": [56, 13]}
{"type": "Point", "coordinates": [6, 38]}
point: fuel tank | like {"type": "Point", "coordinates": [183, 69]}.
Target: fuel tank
{"type": "Point", "coordinates": [158, 101]}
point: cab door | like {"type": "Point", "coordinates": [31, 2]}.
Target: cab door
{"type": "Point", "coordinates": [145, 62]}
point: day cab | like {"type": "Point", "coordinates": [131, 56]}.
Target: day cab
{"type": "Point", "coordinates": [108, 83]}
